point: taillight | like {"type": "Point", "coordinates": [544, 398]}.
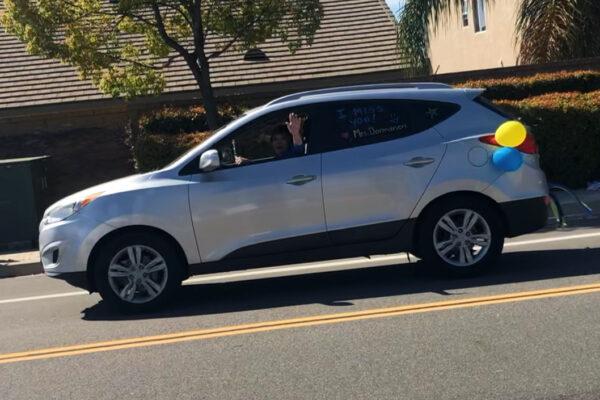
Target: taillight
{"type": "Point", "coordinates": [489, 139]}
{"type": "Point", "coordinates": [529, 146]}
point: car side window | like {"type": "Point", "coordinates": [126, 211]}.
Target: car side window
{"type": "Point", "coordinates": [278, 135]}
{"type": "Point", "coordinates": [357, 123]}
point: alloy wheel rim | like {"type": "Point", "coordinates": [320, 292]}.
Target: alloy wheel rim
{"type": "Point", "coordinates": [462, 237]}
{"type": "Point", "coordinates": [137, 274]}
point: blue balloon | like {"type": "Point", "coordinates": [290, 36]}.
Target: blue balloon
{"type": "Point", "coordinates": [507, 159]}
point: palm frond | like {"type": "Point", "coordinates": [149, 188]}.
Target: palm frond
{"type": "Point", "coordinates": [552, 30]}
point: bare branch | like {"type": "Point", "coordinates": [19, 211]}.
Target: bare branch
{"type": "Point", "coordinates": [235, 38]}
{"type": "Point", "coordinates": [160, 25]}
{"type": "Point", "coordinates": [119, 59]}
{"type": "Point", "coordinates": [208, 15]}
{"type": "Point", "coordinates": [217, 53]}
{"type": "Point", "coordinates": [170, 60]}
{"type": "Point", "coordinates": [178, 10]}
{"type": "Point", "coordinates": [139, 18]}
{"type": "Point", "coordinates": [187, 4]}
{"type": "Point", "coordinates": [197, 26]}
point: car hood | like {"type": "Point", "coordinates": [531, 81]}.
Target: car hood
{"type": "Point", "coordinates": [118, 185]}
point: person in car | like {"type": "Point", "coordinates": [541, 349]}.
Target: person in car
{"type": "Point", "coordinates": [286, 139]}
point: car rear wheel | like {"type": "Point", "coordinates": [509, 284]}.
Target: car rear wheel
{"type": "Point", "coordinates": [137, 272]}
{"type": "Point", "coordinates": [462, 236]}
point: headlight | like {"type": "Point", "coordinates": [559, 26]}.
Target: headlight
{"type": "Point", "coordinates": [64, 211]}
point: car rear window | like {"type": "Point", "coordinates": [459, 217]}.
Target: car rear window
{"type": "Point", "coordinates": [427, 114]}
{"type": "Point", "coordinates": [481, 100]}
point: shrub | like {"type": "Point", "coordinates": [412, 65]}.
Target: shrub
{"type": "Point", "coordinates": [155, 151]}
{"type": "Point", "coordinates": [176, 120]}
{"type": "Point", "coordinates": [172, 121]}
{"type": "Point", "coordinates": [167, 133]}
{"type": "Point", "coordinates": [517, 88]}
{"type": "Point", "coordinates": [567, 129]}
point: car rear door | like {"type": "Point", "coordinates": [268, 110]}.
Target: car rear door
{"type": "Point", "coordinates": [378, 156]}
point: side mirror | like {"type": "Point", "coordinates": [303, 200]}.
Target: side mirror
{"type": "Point", "coordinates": [209, 161]}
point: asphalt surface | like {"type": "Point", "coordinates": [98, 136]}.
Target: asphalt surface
{"type": "Point", "coordinates": [536, 348]}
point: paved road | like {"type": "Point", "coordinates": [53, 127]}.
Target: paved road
{"type": "Point", "coordinates": [380, 328]}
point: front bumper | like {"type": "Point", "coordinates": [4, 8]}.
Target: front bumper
{"type": "Point", "coordinates": [525, 216]}
{"type": "Point", "coordinates": [65, 246]}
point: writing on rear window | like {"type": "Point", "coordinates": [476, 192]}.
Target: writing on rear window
{"type": "Point", "coordinates": [370, 120]}
{"type": "Point", "coordinates": [357, 123]}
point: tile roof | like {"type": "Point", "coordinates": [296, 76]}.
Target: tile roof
{"type": "Point", "coordinates": [355, 37]}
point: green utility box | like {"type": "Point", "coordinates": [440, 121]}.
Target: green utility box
{"type": "Point", "coordinates": [23, 187]}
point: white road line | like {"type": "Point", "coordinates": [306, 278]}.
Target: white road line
{"type": "Point", "coordinates": [47, 296]}
{"type": "Point", "coordinates": [373, 261]}
{"type": "Point", "coordinates": [553, 239]}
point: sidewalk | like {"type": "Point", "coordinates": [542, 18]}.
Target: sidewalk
{"type": "Point", "coordinates": [28, 263]}
{"type": "Point", "coordinates": [19, 264]}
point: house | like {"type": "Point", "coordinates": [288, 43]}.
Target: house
{"type": "Point", "coordinates": [46, 109]}
{"type": "Point", "coordinates": [477, 34]}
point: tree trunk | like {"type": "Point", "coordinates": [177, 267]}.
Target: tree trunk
{"type": "Point", "coordinates": [202, 76]}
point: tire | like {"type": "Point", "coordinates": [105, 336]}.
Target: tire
{"type": "Point", "coordinates": [137, 289]}
{"type": "Point", "coordinates": [464, 248]}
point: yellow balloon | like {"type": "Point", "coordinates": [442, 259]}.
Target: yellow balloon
{"type": "Point", "coordinates": [511, 134]}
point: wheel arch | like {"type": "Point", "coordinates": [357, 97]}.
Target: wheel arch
{"type": "Point", "coordinates": [125, 230]}
{"type": "Point", "coordinates": [447, 196]}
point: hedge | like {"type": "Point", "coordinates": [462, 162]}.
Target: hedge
{"type": "Point", "coordinates": [518, 88]}
{"type": "Point", "coordinates": [176, 120]}
{"type": "Point", "coordinates": [567, 129]}
{"type": "Point", "coordinates": [155, 151]}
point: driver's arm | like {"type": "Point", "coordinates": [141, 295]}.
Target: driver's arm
{"type": "Point", "coordinates": [294, 125]}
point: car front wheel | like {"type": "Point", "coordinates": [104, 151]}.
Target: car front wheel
{"type": "Point", "coordinates": [463, 236]}
{"type": "Point", "coordinates": [137, 272]}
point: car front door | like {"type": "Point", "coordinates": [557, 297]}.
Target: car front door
{"type": "Point", "coordinates": [378, 158]}
{"type": "Point", "coordinates": [261, 205]}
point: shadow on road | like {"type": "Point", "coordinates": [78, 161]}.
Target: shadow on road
{"type": "Point", "coordinates": [339, 288]}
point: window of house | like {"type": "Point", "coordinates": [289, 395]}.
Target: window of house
{"type": "Point", "coordinates": [479, 15]}
{"type": "Point", "coordinates": [464, 8]}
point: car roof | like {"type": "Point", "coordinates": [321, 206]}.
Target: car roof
{"type": "Point", "coordinates": [375, 90]}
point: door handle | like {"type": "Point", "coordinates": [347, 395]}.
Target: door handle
{"type": "Point", "coordinates": [419, 162]}
{"type": "Point", "coordinates": [301, 179]}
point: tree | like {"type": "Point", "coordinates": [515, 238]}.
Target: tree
{"type": "Point", "coordinates": [547, 30]}
{"type": "Point", "coordinates": [124, 46]}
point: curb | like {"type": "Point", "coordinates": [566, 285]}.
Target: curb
{"type": "Point", "coordinates": [20, 269]}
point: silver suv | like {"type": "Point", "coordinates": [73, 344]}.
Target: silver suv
{"type": "Point", "coordinates": [333, 173]}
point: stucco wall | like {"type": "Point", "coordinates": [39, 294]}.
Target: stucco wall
{"type": "Point", "coordinates": [454, 47]}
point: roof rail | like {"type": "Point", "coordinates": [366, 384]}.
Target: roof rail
{"type": "Point", "coordinates": [418, 85]}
